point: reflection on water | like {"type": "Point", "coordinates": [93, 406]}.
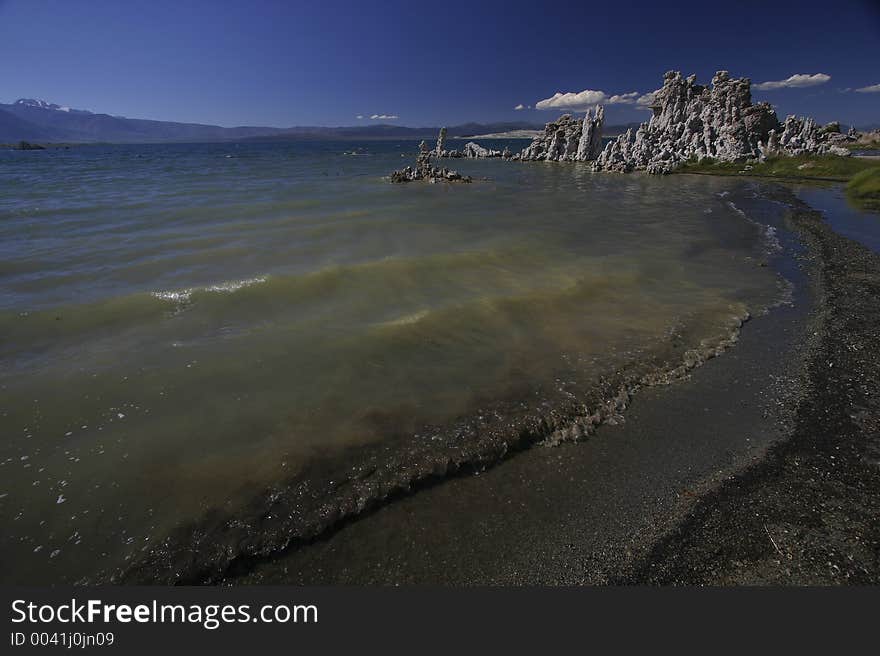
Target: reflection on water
{"type": "Point", "coordinates": [182, 329]}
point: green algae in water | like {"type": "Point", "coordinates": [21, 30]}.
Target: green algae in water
{"type": "Point", "coordinates": [183, 331]}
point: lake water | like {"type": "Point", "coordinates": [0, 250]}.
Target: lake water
{"type": "Point", "coordinates": [185, 329]}
{"type": "Point", "coordinates": [860, 225]}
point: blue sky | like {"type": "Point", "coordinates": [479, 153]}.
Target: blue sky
{"type": "Point", "coordinates": [265, 62]}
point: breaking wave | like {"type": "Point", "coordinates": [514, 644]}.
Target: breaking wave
{"type": "Point", "coordinates": [183, 295]}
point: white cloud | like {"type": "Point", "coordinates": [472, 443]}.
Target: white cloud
{"type": "Point", "coordinates": [585, 100]}
{"type": "Point", "coordinates": [360, 116]}
{"type": "Point", "coordinates": [574, 101]}
{"type": "Point", "coordinates": [646, 100]}
{"type": "Point", "coordinates": [519, 107]}
{"type": "Point", "coordinates": [383, 117]}
{"type": "Point", "coordinates": [623, 98]}
{"type": "Point", "coordinates": [798, 80]}
{"type": "Point", "coordinates": [874, 88]}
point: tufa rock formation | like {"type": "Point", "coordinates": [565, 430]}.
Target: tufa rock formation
{"type": "Point", "coordinates": [441, 141]}
{"type": "Point", "coordinates": [472, 149]}
{"type": "Point", "coordinates": [25, 145]}
{"type": "Point", "coordinates": [869, 139]}
{"type": "Point", "coordinates": [695, 121]}
{"type": "Point", "coordinates": [591, 135]}
{"type": "Point", "coordinates": [568, 139]}
{"type": "Point", "coordinates": [801, 136]}
{"type": "Point", "coordinates": [690, 121]}
{"type": "Point", "coordinates": [425, 171]}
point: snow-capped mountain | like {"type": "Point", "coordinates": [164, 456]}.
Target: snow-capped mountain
{"type": "Point", "coordinates": [40, 120]}
{"type": "Point", "coordinates": [42, 104]}
{"type": "Point", "coordinates": [31, 119]}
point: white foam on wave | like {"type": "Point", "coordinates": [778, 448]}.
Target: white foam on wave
{"type": "Point", "coordinates": [183, 295]}
{"type": "Point", "coordinates": [771, 241]}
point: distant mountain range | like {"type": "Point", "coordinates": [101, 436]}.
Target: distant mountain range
{"type": "Point", "coordinates": [34, 120]}
{"type": "Point", "coordinates": [391, 131]}
{"type": "Point", "coordinates": [29, 119]}
{"type": "Point", "coordinates": [38, 120]}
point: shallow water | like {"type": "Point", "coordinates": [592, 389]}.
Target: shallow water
{"type": "Point", "coordinates": [859, 225]}
{"type": "Point", "coordinates": [183, 327]}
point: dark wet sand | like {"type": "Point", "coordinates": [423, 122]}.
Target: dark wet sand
{"type": "Point", "coordinates": [809, 513]}
{"type": "Point", "coordinates": [685, 491]}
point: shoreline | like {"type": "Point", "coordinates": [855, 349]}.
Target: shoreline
{"type": "Point", "coordinates": [664, 496]}
{"type": "Point", "coordinates": [331, 494]}
{"type": "Point", "coordinates": [309, 508]}
{"type": "Point", "coordinates": [815, 497]}
{"type": "Point", "coordinates": [655, 485]}
{"type": "Point", "coordinates": [624, 467]}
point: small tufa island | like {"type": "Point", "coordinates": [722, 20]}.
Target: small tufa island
{"type": "Point", "coordinates": [425, 171]}
{"type": "Point", "coordinates": [691, 123]}
{"type": "Point", "coordinates": [23, 145]}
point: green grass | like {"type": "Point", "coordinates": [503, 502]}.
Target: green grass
{"type": "Point", "coordinates": [829, 167]}
{"type": "Point", "coordinates": [870, 145]}
{"type": "Point", "coordinates": [864, 188]}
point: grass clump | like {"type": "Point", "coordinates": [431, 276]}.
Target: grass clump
{"type": "Point", "coordinates": [811, 167]}
{"type": "Point", "coordinates": [864, 188]}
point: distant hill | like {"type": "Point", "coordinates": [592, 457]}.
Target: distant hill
{"type": "Point", "coordinates": [510, 134]}
{"type": "Point", "coordinates": [14, 128]}
{"type": "Point", "coordinates": [473, 129]}
{"type": "Point", "coordinates": [38, 120]}
{"type": "Point", "coordinates": [383, 131]}
{"type": "Point", "coordinates": [78, 125]}
{"type": "Point", "coordinates": [464, 131]}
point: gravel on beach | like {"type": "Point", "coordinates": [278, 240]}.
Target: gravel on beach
{"type": "Point", "coordinates": [809, 512]}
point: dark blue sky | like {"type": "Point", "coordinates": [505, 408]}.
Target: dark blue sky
{"type": "Point", "coordinates": [322, 62]}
